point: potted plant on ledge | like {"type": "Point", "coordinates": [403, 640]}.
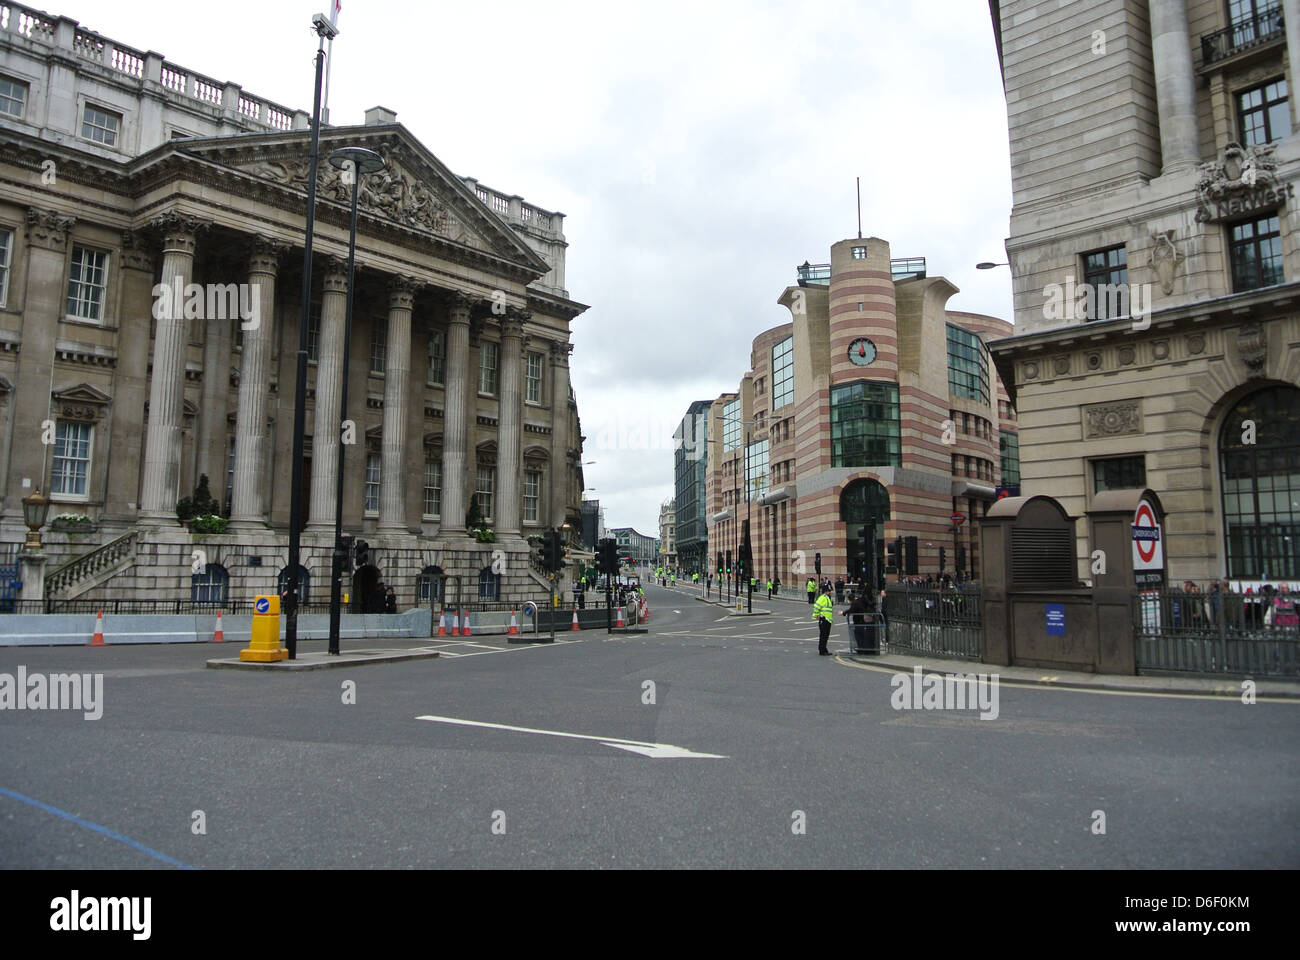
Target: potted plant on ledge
{"type": "Point", "coordinates": [201, 513]}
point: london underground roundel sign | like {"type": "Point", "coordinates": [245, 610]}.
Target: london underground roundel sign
{"type": "Point", "coordinates": [1148, 546]}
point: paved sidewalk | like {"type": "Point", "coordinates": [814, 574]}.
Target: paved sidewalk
{"type": "Point", "coordinates": [1226, 687]}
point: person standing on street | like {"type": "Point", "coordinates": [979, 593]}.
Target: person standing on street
{"type": "Point", "coordinates": [812, 590]}
{"type": "Point", "coordinates": [824, 614]}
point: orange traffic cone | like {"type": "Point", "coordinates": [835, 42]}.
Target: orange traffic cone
{"type": "Point", "coordinates": [464, 626]}
{"type": "Point", "coordinates": [620, 618]}
{"type": "Point", "coordinates": [514, 626]}
{"type": "Point", "coordinates": [442, 624]}
{"type": "Point", "coordinates": [98, 639]}
{"type": "Point", "coordinates": [219, 635]}
{"type": "Point", "coordinates": [576, 625]}
{"type": "Point", "coordinates": [455, 623]}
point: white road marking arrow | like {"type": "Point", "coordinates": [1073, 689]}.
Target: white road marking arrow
{"type": "Point", "coordinates": [657, 751]}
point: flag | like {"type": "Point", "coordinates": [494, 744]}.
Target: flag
{"type": "Point", "coordinates": [335, 7]}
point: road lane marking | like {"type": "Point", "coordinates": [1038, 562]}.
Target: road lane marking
{"type": "Point", "coordinates": [657, 751]}
{"type": "Point", "coordinates": [112, 834]}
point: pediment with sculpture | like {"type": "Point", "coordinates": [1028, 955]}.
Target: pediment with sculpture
{"type": "Point", "coordinates": [1242, 182]}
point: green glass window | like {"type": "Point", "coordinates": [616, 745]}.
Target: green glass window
{"type": "Point", "coordinates": [865, 426]}
{"type": "Point", "coordinates": [968, 365]}
{"type": "Point", "coordinates": [1010, 445]}
{"type": "Point", "coordinates": [783, 373]}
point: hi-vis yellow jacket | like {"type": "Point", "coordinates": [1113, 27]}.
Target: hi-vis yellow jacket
{"type": "Point", "coordinates": [824, 609]}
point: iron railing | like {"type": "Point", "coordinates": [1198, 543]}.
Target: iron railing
{"type": "Point", "coordinates": [89, 564]}
{"type": "Point", "coordinates": [819, 274]}
{"type": "Point", "coordinates": [1253, 31]}
{"type": "Point", "coordinates": [1213, 632]}
{"type": "Point", "coordinates": [934, 622]}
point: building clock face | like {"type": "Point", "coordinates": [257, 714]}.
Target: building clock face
{"type": "Point", "coordinates": [862, 352]}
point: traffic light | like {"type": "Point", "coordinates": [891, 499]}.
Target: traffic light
{"type": "Point", "coordinates": [608, 558]}
{"type": "Point", "coordinates": [961, 558]}
{"type": "Point", "coordinates": [911, 562]}
{"type": "Point", "coordinates": [894, 555]}
{"type": "Point", "coordinates": [817, 563]}
{"type": "Point", "coordinates": [361, 550]}
{"type": "Point", "coordinates": [345, 554]}
{"type": "Point", "coordinates": [728, 563]}
{"type": "Point", "coordinates": [544, 552]}
{"type": "Point", "coordinates": [943, 559]}
{"type": "Point", "coordinates": [720, 567]}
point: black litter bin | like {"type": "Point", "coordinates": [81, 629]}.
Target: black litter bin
{"type": "Point", "coordinates": [866, 630]}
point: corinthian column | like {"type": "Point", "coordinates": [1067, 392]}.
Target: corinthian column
{"type": "Point", "coordinates": [455, 425]}
{"type": "Point", "coordinates": [394, 474]}
{"type": "Point", "coordinates": [559, 473]}
{"type": "Point", "coordinates": [327, 428]}
{"type": "Point", "coordinates": [509, 432]}
{"type": "Point", "coordinates": [162, 455]}
{"type": "Point", "coordinates": [248, 496]}
{"type": "Point", "coordinates": [1171, 54]}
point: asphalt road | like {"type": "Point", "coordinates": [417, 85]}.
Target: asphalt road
{"type": "Point", "coordinates": [288, 775]}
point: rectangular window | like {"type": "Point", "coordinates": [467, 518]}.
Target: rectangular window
{"type": "Point", "coordinates": [86, 283]}
{"type": "Point", "coordinates": [533, 378]}
{"type": "Point", "coordinates": [757, 470]}
{"type": "Point", "coordinates": [731, 431]}
{"type": "Point", "coordinates": [378, 344]}
{"type": "Point", "coordinates": [432, 482]}
{"type": "Point", "coordinates": [313, 333]}
{"type": "Point", "coordinates": [1121, 473]}
{"type": "Point", "coordinates": [1256, 252]}
{"type": "Point", "coordinates": [859, 253]}
{"type": "Point", "coordinates": [230, 474]}
{"type": "Point", "coordinates": [484, 484]}
{"type": "Point", "coordinates": [1103, 273]}
{"type": "Point", "coordinates": [865, 425]}
{"type": "Point", "coordinates": [6, 255]}
{"type": "Point", "coordinates": [373, 462]}
{"type": "Point", "coordinates": [532, 495]}
{"type": "Point", "coordinates": [968, 366]}
{"type": "Point", "coordinates": [783, 373]}
{"type": "Point", "coordinates": [13, 97]}
{"type": "Point", "coordinates": [100, 125]}
{"type": "Point", "coordinates": [1263, 113]}
{"type": "Point", "coordinates": [70, 474]}
{"type": "Point", "coordinates": [488, 360]}
{"type": "Point", "coordinates": [437, 358]}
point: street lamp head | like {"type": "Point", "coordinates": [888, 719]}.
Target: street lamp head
{"type": "Point", "coordinates": [35, 509]}
{"type": "Point", "coordinates": [989, 266]}
{"type": "Point", "coordinates": [358, 158]}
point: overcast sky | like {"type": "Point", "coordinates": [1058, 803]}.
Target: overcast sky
{"type": "Point", "coordinates": [699, 150]}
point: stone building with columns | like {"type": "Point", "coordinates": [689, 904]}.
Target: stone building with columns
{"type": "Point", "coordinates": [151, 259]}
{"type": "Point", "coordinates": [875, 404]}
{"type": "Point", "coordinates": [1155, 257]}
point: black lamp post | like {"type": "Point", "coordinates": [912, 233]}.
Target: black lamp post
{"type": "Point", "coordinates": [357, 161]}
{"type": "Point", "coordinates": [325, 31]}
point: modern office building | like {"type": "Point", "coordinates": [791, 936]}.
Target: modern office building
{"type": "Point", "coordinates": [690, 469]}
{"type": "Point", "coordinates": [642, 549]}
{"type": "Point", "coordinates": [152, 224]}
{"type": "Point", "coordinates": [1155, 254]}
{"type": "Point", "coordinates": [876, 404]}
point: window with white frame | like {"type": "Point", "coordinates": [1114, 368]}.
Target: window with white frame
{"type": "Point", "coordinates": [432, 482]}
{"type": "Point", "coordinates": [87, 281]}
{"type": "Point", "coordinates": [70, 475]}
{"type": "Point", "coordinates": [6, 254]}
{"type": "Point", "coordinates": [489, 358]}
{"type": "Point", "coordinates": [437, 374]}
{"type": "Point", "coordinates": [313, 333]}
{"type": "Point", "coordinates": [378, 344]}
{"type": "Point", "coordinates": [532, 495]}
{"type": "Point", "coordinates": [372, 482]}
{"type": "Point", "coordinates": [100, 125]}
{"type": "Point", "coordinates": [533, 378]}
{"type": "Point", "coordinates": [484, 486]}
{"type": "Point", "coordinates": [13, 97]}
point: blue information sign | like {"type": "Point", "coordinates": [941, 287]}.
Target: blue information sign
{"type": "Point", "coordinates": [1055, 619]}
{"type": "Point", "coordinates": [262, 605]}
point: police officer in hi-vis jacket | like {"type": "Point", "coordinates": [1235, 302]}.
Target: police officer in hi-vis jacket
{"type": "Point", "coordinates": [824, 614]}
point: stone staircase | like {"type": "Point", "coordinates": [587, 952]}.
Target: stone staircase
{"type": "Point", "coordinates": [78, 577]}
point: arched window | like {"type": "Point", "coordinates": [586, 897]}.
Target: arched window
{"type": "Point", "coordinates": [1259, 468]}
{"type": "Point", "coordinates": [489, 584]}
{"type": "Point", "coordinates": [428, 586]}
{"type": "Point", "coordinates": [865, 500]}
{"type": "Point", "coordinates": [210, 585]}
{"type": "Point", "coordinates": [304, 583]}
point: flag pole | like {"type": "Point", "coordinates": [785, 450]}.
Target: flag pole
{"type": "Point", "coordinates": [329, 64]}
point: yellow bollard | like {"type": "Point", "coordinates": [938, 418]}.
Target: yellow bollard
{"type": "Point", "coordinates": [264, 647]}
